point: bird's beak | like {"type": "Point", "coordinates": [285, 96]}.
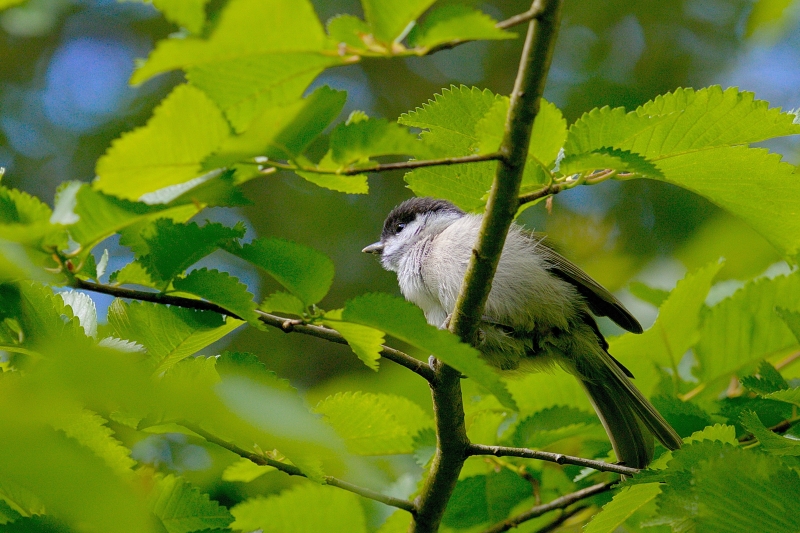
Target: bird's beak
{"type": "Point", "coordinates": [375, 248]}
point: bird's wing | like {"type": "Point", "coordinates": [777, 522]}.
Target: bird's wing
{"type": "Point", "coordinates": [600, 301]}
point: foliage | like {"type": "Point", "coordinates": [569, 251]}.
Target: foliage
{"type": "Point", "coordinates": [79, 395]}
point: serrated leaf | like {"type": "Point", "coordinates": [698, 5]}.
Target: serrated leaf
{"type": "Point", "coordinates": [282, 132]}
{"type": "Point", "coordinates": [132, 274]}
{"type": "Point", "coordinates": [222, 289]}
{"type": "Point", "coordinates": [305, 272]}
{"type": "Point", "coordinates": [182, 508]}
{"type": "Point", "coordinates": [770, 442]}
{"type": "Point", "coordinates": [625, 503]}
{"type": "Point", "coordinates": [390, 19]}
{"type": "Point", "coordinates": [686, 418]}
{"type": "Point", "coordinates": [792, 319]}
{"type": "Point", "coordinates": [90, 429]}
{"type": "Point", "coordinates": [184, 129]}
{"type": "Point", "coordinates": [455, 22]}
{"type": "Point", "coordinates": [365, 342]}
{"type": "Point", "coordinates": [357, 142]}
{"type": "Point", "coordinates": [92, 216]}
{"type": "Point", "coordinates": [347, 184]}
{"type": "Point", "coordinates": [83, 309]}
{"type": "Point", "coordinates": [190, 14]}
{"type": "Point", "coordinates": [767, 380]}
{"type": "Point", "coordinates": [450, 120]}
{"type": "Point", "coordinates": [485, 498]}
{"type": "Point", "coordinates": [612, 159]}
{"type": "Point", "coordinates": [374, 424]}
{"type": "Point", "coordinates": [674, 332]}
{"type": "Point", "coordinates": [283, 302]}
{"type": "Point", "coordinates": [550, 425]}
{"type": "Point", "coordinates": [405, 322]}
{"type": "Point", "coordinates": [26, 220]}
{"type": "Point", "coordinates": [245, 471]}
{"type": "Point", "coordinates": [743, 329]}
{"type": "Point", "coordinates": [214, 188]}
{"type": "Point", "coordinates": [244, 69]}
{"type": "Point", "coordinates": [717, 432]}
{"type": "Point", "coordinates": [172, 248]}
{"type": "Point", "coordinates": [789, 396]}
{"type": "Point", "coordinates": [335, 511]}
{"type": "Point", "coordinates": [170, 334]}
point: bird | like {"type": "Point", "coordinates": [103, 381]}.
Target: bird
{"type": "Point", "coordinates": [539, 313]}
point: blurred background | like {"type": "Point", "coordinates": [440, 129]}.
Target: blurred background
{"type": "Point", "coordinates": [64, 96]}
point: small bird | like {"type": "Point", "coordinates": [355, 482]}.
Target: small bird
{"type": "Point", "coordinates": [538, 313]}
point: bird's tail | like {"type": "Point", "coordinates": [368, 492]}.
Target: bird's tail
{"type": "Point", "coordinates": [629, 418]}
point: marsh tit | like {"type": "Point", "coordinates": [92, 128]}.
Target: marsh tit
{"type": "Point", "coordinates": [538, 313]}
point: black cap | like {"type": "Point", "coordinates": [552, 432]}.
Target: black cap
{"type": "Point", "coordinates": [408, 211]}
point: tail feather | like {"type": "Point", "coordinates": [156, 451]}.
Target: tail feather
{"type": "Point", "coordinates": [632, 443]}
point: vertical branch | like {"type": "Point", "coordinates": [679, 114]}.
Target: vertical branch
{"type": "Point", "coordinates": [452, 441]}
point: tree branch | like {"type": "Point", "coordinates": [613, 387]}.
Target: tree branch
{"type": "Point", "coordinates": [401, 165]}
{"type": "Point", "coordinates": [558, 503]}
{"type": "Point", "coordinates": [284, 324]}
{"type": "Point", "coordinates": [294, 471]}
{"type": "Point", "coordinates": [505, 451]}
{"type": "Point", "coordinates": [451, 434]}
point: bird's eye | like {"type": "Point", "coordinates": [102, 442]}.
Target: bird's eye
{"type": "Point", "coordinates": [400, 227]}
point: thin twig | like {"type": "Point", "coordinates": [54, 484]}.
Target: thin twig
{"type": "Point", "coordinates": [385, 167]}
{"type": "Point", "coordinates": [448, 406]}
{"type": "Point", "coordinates": [282, 323]}
{"type": "Point", "coordinates": [563, 517]}
{"type": "Point", "coordinates": [558, 503]}
{"type": "Point", "coordinates": [558, 458]}
{"type": "Point", "coordinates": [294, 471]}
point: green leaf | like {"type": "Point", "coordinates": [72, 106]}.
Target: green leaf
{"type": "Point", "coordinates": [244, 69]}
{"type": "Point", "coordinates": [485, 498]}
{"type": "Point", "coordinates": [609, 158]}
{"type": "Point", "coordinates": [770, 442]}
{"type": "Point", "coordinates": [698, 139]}
{"type": "Point", "coordinates": [282, 132]}
{"type": "Point", "coordinates": [191, 14]}
{"type": "Point", "coordinates": [686, 418]}
{"type": "Point", "coordinates": [789, 396]}
{"type": "Point", "coordinates": [90, 429]}
{"type": "Point", "coordinates": [245, 471]}
{"type": "Point", "coordinates": [182, 508]}
{"type": "Point", "coordinates": [390, 19]}
{"type": "Point", "coordinates": [450, 120]}
{"type": "Point", "coordinates": [93, 216]}
{"type": "Point", "coordinates": [283, 302]}
{"type": "Point", "coordinates": [214, 188]}
{"type": "Point", "coordinates": [374, 424]}
{"type": "Point", "coordinates": [674, 332]}
{"type": "Point", "coordinates": [347, 184]}
{"type": "Point", "coordinates": [132, 274]}
{"type": "Point", "coordinates": [551, 425]}
{"type": "Point", "coordinates": [743, 329]}
{"type": "Point", "coordinates": [357, 142]}
{"type": "Point", "coordinates": [170, 334]}
{"type": "Point", "coordinates": [404, 321]}
{"type": "Point", "coordinates": [625, 503]}
{"type": "Point", "coordinates": [648, 294]}
{"type": "Point", "coordinates": [222, 289]}
{"type": "Point", "coordinates": [365, 342]}
{"type": "Point", "coordinates": [767, 380]}
{"type": "Point", "coordinates": [792, 319]}
{"type": "Point", "coordinates": [184, 129]}
{"type": "Point", "coordinates": [348, 29]}
{"type": "Point", "coordinates": [717, 432]}
{"type": "Point", "coordinates": [455, 22]}
{"type": "Point", "coordinates": [335, 511]}
{"type": "Point", "coordinates": [83, 309]}
{"type": "Point", "coordinates": [24, 219]}
{"type": "Point", "coordinates": [714, 487]}
{"type": "Point", "coordinates": [303, 271]}
{"type": "Point", "coordinates": [172, 248]}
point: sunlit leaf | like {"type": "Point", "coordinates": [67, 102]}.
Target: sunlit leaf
{"type": "Point", "coordinates": [374, 424]}
{"type": "Point", "coordinates": [357, 142]}
{"type": "Point", "coordinates": [182, 508]}
{"type": "Point", "coordinates": [365, 342]}
{"type": "Point", "coordinates": [625, 503]}
{"type": "Point", "coordinates": [404, 321]}
{"type": "Point", "coordinates": [283, 302]}
{"type": "Point", "coordinates": [455, 23]}
{"type": "Point", "coordinates": [185, 128]}
{"type": "Point", "coordinates": [334, 511]}
{"type": "Point", "coordinates": [771, 442]}
{"type": "Point", "coordinates": [245, 471]}
{"type": "Point", "coordinates": [389, 19]}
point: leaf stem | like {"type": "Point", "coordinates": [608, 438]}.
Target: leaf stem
{"type": "Point", "coordinates": [448, 407]}
{"type": "Point", "coordinates": [294, 471]}
{"type": "Point", "coordinates": [385, 167]}
{"type": "Point", "coordinates": [558, 503]}
{"type": "Point", "coordinates": [558, 458]}
{"type": "Point", "coordinates": [284, 324]}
